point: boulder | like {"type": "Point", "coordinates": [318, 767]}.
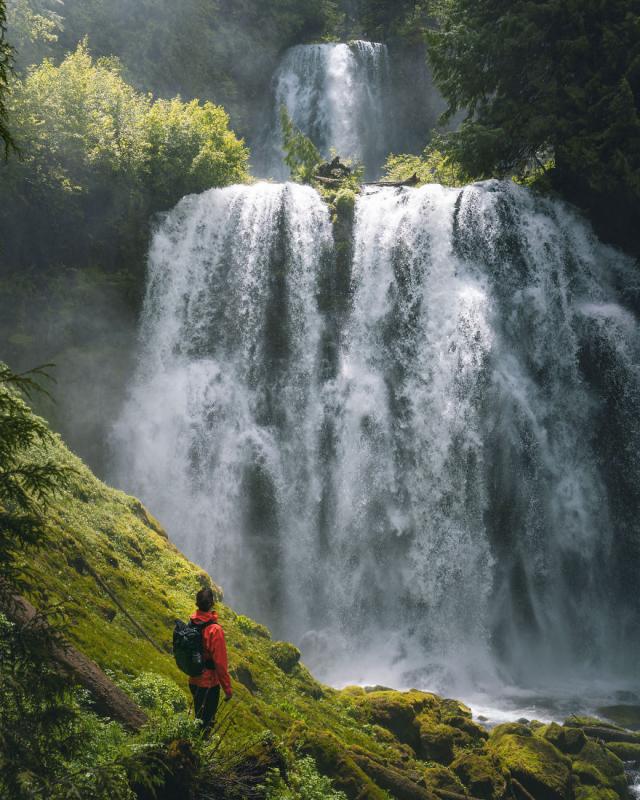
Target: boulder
{"type": "Point", "coordinates": [396, 711]}
{"type": "Point", "coordinates": [568, 740]}
{"type": "Point", "coordinates": [436, 740]}
{"type": "Point", "coordinates": [625, 751]}
{"type": "Point", "coordinates": [536, 763]}
{"type": "Point", "coordinates": [482, 774]}
{"type": "Point", "coordinates": [596, 765]}
{"type": "Point", "coordinates": [285, 655]}
{"type": "Point", "coordinates": [438, 777]}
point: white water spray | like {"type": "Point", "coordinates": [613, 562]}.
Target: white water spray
{"type": "Point", "coordinates": [443, 477]}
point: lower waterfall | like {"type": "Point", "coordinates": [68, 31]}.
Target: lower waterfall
{"type": "Point", "coordinates": [423, 472]}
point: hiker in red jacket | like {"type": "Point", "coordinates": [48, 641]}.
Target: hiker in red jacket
{"type": "Point", "coordinates": [205, 689]}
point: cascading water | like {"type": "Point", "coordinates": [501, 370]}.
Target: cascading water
{"type": "Point", "coordinates": [440, 469]}
{"type": "Point", "coordinates": [339, 95]}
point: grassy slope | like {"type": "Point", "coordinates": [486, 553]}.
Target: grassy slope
{"type": "Point", "coordinates": [363, 741]}
{"type": "Point", "coordinates": [115, 536]}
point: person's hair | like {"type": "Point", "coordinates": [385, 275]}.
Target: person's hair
{"type": "Point", "coordinates": [205, 599]}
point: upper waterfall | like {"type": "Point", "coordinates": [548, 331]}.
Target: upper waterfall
{"type": "Point", "coordinates": [340, 96]}
{"type": "Point", "coordinates": [442, 473]}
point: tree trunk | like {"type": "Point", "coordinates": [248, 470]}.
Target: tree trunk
{"type": "Point", "coordinates": [109, 699]}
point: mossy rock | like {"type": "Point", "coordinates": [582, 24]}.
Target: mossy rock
{"type": "Point", "coordinates": [474, 731]}
{"type": "Point", "coordinates": [437, 740]}
{"type": "Point", "coordinates": [568, 740]}
{"type": "Point", "coordinates": [396, 711]}
{"type": "Point", "coordinates": [482, 774]}
{"type": "Point", "coordinates": [334, 761]}
{"type": "Point", "coordinates": [438, 777]}
{"type": "Point", "coordinates": [285, 655]}
{"type": "Point", "coordinates": [344, 203]}
{"type": "Point", "coordinates": [596, 765]}
{"type": "Point", "coordinates": [354, 691]}
{"type": "Point", "coordinates": [539, 766]}
{"type": "Point", "coordinates": [626, 751]}
{"type": "Point", "coordinates": [454, 708]}
{"type": "Point", "coordinates": [516, 728]}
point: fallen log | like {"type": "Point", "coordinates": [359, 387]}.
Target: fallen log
{"type": "Point", "coordinates": [389, 778]}
{"type": "Point", "coordinates": [329, 181]}
{"type": "Point", "coordinates": [109, 699]}
{"type": "Point", "coordinates": [412, 181]}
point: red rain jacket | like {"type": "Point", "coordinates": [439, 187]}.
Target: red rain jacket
{"type": "Point", "coordinates": [215, 650]}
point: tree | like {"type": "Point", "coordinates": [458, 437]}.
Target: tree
{"type": "Point", "coordinates": [28, 476]}
{"type": "Point", "coordinates": [6, 60]}
{"type": "Point", "coordinates": [553, 81]}
{"type": "Point", "coordinates": [101, 157]}
{"type": "Point", "coordinates": [301, 155]}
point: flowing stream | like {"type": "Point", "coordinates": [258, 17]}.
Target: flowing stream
{"type": "Point", "coordinates": [424, 471]}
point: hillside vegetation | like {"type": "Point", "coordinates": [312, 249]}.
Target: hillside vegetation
{"type": "Point", "coordinates": [109, 566]}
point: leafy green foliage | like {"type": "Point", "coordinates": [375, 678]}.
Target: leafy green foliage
{"type": "Point", "coordinates": [100, 157]}
{"type": "Point", "coordinates": [35, 27]}
{"type": "Point", "coordinates": [382, 19]}
{"type": "Point", "coordinates": [220, 50]}
{"type": "Point", "coordinates": [303, 783]}
{"type": "Point", "coordinates": [435, 165]}
{"type": "Point", "coordinates": [6, 60]}
{"type": "Point", "coordinates": [301, 155]}
{"type": "Point", "coordinates": [555, 82]}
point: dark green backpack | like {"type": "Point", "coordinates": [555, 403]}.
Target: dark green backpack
{"type": "Point", "coordinates": [188, 649]}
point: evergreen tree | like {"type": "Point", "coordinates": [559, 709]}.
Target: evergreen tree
{"type": "Point", "coordinates": [6, 58]}
{"type": "Point", "coordinates": [553, 82]}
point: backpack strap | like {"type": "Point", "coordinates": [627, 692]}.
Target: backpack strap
{"type": "Point", "coordinates": [201, 626]}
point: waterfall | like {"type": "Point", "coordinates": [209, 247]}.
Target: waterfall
{"type": "Point", "coordinates": [436, 482]}
{"type": "Point", "coordinates": [339, 95]}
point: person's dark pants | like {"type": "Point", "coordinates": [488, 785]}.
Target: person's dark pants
{"type": "Point", "coordinates": [205, 703]}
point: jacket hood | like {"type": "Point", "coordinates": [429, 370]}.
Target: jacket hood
{"type": "Point", "coordinates": [204, 616]}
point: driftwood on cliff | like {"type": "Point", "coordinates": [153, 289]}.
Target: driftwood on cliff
{"type": "Point", "coordinates": [109, 699]}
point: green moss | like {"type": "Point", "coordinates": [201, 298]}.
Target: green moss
{"type": "Point", "coordinates": [396, 711]}
{"type": "Point", "coordinates": [539, 766]}
{"type": "Point", "coordinates": [285, 655]}
{"type": "Point", "coordinates": [567, 740]}
{"type": "Point", "coordinates": [252, 628]}
{"type": "Point", "coordinates": [437, 741]}
{"type": "Point", "coordinates": [482, 774]}
{"type": "Point", "coordinates": [104, 544]}
{"type": "Point", "coordinates": [604, 767]}
{"type": "Point", "coordinates": [625, 750]}
{"type": "Point", "coordinates": [515, 728]}
{"type": "Point", "coordinates": [334, 760]}
{"type": "Point", "coordinates": [440, 777]}
{"type": "Point", "coordinates": [344, 204]}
